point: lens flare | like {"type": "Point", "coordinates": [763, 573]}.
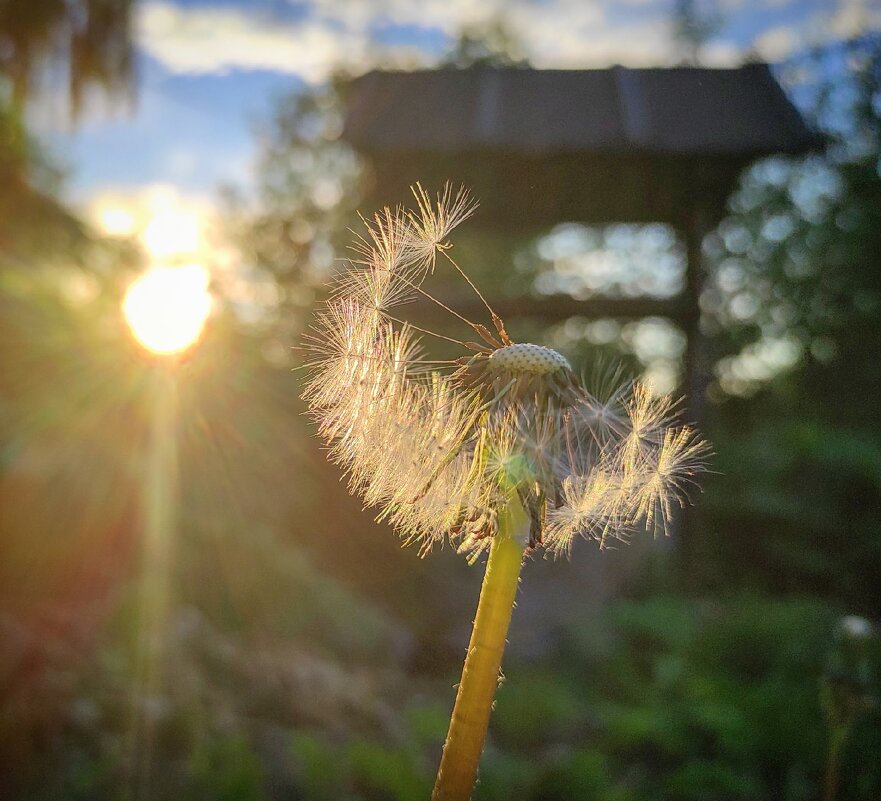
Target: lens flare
{"type": "Point", "coordinates": [166, 308]}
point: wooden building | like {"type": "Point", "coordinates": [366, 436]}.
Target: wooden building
{"type": "Point", "coordinates": [540, 147]}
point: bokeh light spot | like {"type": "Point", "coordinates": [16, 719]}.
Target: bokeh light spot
{"type": "Point", "coordinates": [116, 221]}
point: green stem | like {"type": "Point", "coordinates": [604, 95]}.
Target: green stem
{"type": "Point", "coordinates": [480, 676]}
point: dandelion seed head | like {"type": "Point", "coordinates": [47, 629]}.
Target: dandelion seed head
{"type": "Point", "coordinates": [526, 358]}
{"type": "Point", "coordinates": [439, 451]}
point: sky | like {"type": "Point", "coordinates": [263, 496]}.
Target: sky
{"type": "Point", "coordinates": [209, 71]}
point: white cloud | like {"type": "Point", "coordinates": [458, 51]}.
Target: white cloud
{"type": "Point", "coordinates": [554, 33]}
{"type": "Point", "coordinates": [558, 33]}
{"type": "Point", "coordinates": [211, 40]}
{"type": "Point", "coordinates": [720, 53]}
{"type": "Point", "coordinates": [777, 43]}
{"type": "Point", "coordinates": [567, 34]}
{"type": "Point", "coordinates": [449, 16]}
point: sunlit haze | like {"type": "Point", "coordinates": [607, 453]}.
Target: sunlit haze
{"type": "Point", "coordinates": [166, 308]}
{"type": "Point", "coordinates": [169, 226]}
{"type": "Point", "coordinates": [171, 232]}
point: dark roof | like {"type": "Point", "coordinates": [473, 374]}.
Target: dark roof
{"type": "Point", "coordinates": [542, 146]}
{"type": "Point", "coordinates": [682, 111]}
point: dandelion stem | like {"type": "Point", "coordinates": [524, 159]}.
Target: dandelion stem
{"type": "Point", "coordinates": [480, 676]}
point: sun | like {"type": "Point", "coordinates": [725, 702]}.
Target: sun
{"type": "Point", "coordinates": [166, 308]}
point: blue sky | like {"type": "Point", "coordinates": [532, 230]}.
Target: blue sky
{"type": "Point", "coordinates": [193, 130]}
{"type": "Point", "coordinates": [210, 70]}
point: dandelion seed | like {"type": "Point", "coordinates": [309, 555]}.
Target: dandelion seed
{"type": "Point", "coordinates": [387, 269]}
{"type": "Point", "coordinates": [434, 221]}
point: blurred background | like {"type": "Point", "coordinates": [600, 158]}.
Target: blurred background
{"type": "Point", "coordinates": [192, 607]}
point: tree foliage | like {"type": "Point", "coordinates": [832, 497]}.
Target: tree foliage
{"type": "Point", "coordinates": [87, 43]}
{"type": "Point", "coordinates": [792, 305]}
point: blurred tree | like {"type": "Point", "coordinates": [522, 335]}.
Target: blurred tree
{"type": "Point", "coordinates": [792, 306]}
{"type": "Point", "coordinates": [87, 42]}
{"type": "Point", "coordinates": [693, 26]}
{"type": "Point", "coordinates": [491, 44]}
{"type": "Point", "coordinates": [291, 226]}
{"type": "Point", "coordinates": [74, 421]}
{"type": "Point", "coordinates": [31, 220]}
{"type": "Point", "coordinates": [296, 223]}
